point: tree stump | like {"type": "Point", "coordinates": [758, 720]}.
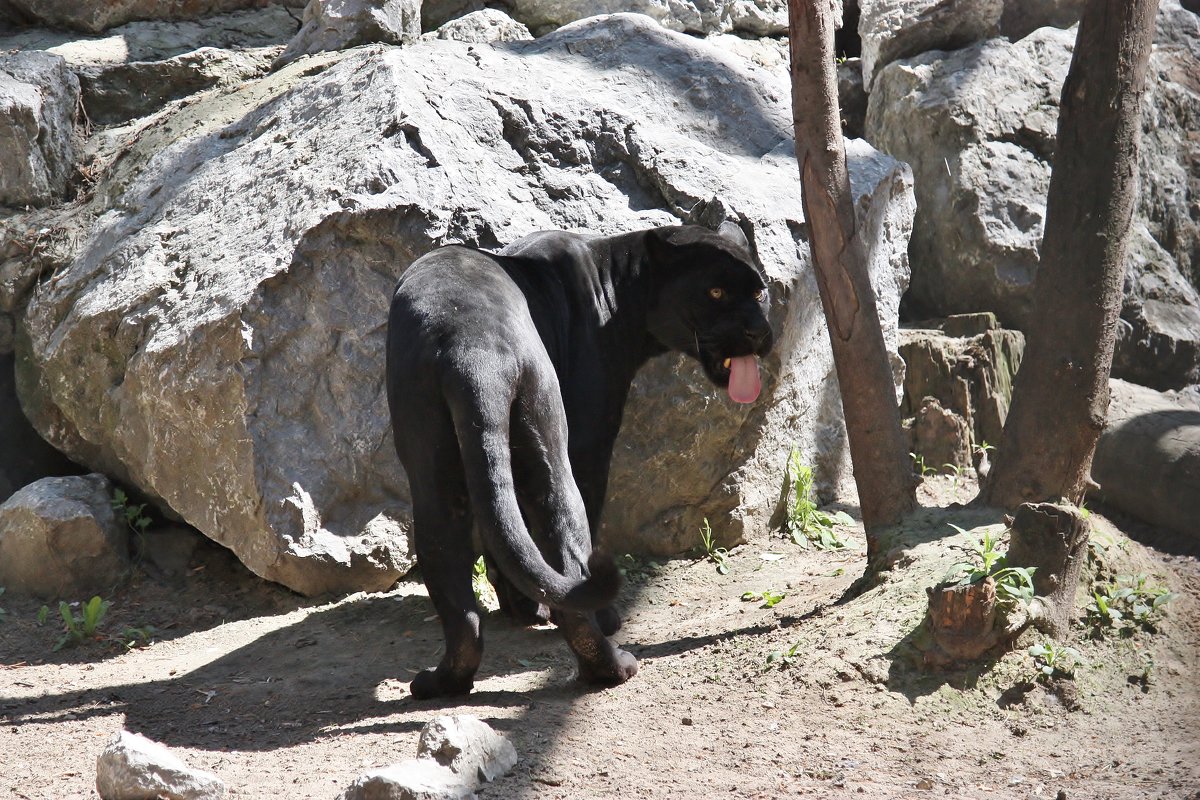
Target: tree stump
{"type": "Point", "coordinates": [962, 621]}
{"type": "Point", "coordinates": [1053, 538]}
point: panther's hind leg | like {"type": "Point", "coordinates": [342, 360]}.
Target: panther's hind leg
{"type": "Point", "coordinates": [560, 520]}
{"type": "Point", "coordinates": [442, 537]}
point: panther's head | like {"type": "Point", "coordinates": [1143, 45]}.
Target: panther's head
{"type": "Point", "coordinates": [711, 302]}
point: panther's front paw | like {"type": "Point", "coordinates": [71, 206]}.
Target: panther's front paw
{"type": "Point", "coordinates": [623, 667]}
{"type": "Point", "coordinates": [434, 683]}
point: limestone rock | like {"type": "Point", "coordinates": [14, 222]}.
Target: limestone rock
{"type": "Point", "coordinates": [160, 40]}
{"type": "Point", "coordinates": [1023, 17]}
{"type": "Point", "coordinates": [983, 171]}
{"type": "Point", "coordinates": [94, 16]}
{"type": "Point", "coordinates": [133, 767]}
{"type": "Point", "coordinates": [941, 437]}
{"type": "Point", "coordinates": [980, 149]}
{"type": "Point", "coordinates": [38, 96]}
{"type": "Point", "coordinates": [468, 747]}
{"type": "Point", "coordinates": [455, 756]}
{"type": "Point", "coordinates": [113, 94]}
{"type": "Point", "coordinates": [1147, 461]}
{"type": "Point", "coordinates": [60, 539]}
{"type": "Point", "coordinates": [342, 24]}
{"type": "Point", "coordinates": [488, 25]}
{"type": "Point", "coordinates": [894, 29]}
{"type": "Point", "coordinates": [748, 17]}
{"type": "Point", "coordinates": [218, 343]}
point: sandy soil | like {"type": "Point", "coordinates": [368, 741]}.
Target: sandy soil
{"type": "Point", "coordinates": [288, 698]}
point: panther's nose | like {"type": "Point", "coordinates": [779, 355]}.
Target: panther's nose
{"type": "Point", "coordinates": [761, 337]}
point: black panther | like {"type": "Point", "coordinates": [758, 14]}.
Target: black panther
{"type": "Point", "coordinates": [507, 375]}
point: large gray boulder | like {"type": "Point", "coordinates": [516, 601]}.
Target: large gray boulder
{"type": "Point", "coordinates": [59, 538]}
{"type": "Point", "coordinates": [38, 96]}
{"type": "Point", "coordinates": [978, 126]}
{"type": "Point", "coordinates": [488, 25]}
{"type": "Point", "coordinates": [1147, 461]}
{"type": "Point", "coordinates": [893, 29]}
{"type": "Point", "coordinates": [342, 24]}
{"type": "Point", "coordinates": [219, 341]}
{"type": "Point", "coordinates": [747, 17]}
{"type": "Point", "coordinates": [93, 16]}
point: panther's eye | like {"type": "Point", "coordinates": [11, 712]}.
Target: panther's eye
{"type": "Point", "coordinates": [716, 293]}
{"type": "Point", "coordinates": [760, 295]}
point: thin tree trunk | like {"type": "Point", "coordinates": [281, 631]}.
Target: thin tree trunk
{"type": "Point", "coordinates": [886, 488]}
{"type": "Point", "coordinates": [1060, 396]}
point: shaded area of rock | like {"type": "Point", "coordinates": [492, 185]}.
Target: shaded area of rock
{"type": "Point", "coordinates": [1023, 17]}
{"type": "Point", "coordinates": [941, 437]}
{"type": "Point", "coordinates": [132, 767]}
{"type": "Point", "coordinates": [231, 311]}
{"type": "Point", "coordinates": [25, 457]}
{"type": "Point", "coordinates": [93, 16]}
{"type": "Point", "coordinates": [59, 539]}
{"type": "Point", "coordinates": [894, 29]}
{"type": "Point", "coordinates": [38, 96]}
{"type": "Point", "coordinates": [1147, 461]}
{"type": "Point", "coordinates": [971, 376]}
{"type": "Point", "coordinates": [488, 25]}
{"type": "Point", "coordinates": [455, 756]}
{"type": "Point", "coordinates": [159, 41]}
{"type": "Point", "coordinates": [114, 94]}
{"type": "Point", "coordinates": [342, 24]}
{"type": "Point", "coordinates": [852, 98]}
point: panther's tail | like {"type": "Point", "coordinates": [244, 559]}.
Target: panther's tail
{"type": "Point", "coordinates": [487, 461]}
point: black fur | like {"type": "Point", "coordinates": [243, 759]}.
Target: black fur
{"type": "Point", "coordinates": [491, 359]}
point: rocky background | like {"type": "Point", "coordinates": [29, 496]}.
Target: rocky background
{"type": "Point", "coordinates": [205, 205]}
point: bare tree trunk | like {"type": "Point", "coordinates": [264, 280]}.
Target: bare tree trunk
{"type": "Point", "coordinates": [1060, 396]}
{"type": "Point", "coordinates": [886, 488]}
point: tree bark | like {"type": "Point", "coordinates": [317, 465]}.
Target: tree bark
{"type": "Point", "coordinates": [1060, 396]}
{"type": "Point", "coordinates": [878, 453]}
{"type": "Point", "coordinates": [1052, 539]}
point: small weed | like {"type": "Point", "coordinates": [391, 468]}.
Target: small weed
{"type": "Point", "coordinates": [920, 467]}
{"type": "Point", "coordinates": [137, 637]}
{"type": "Point", "coordinates": [43, 615]}
{"type": "Point", "coordinates": [769, 597]}
{"type": "Point", "coordinates": [784, 658]}
{"type": "Point", "coordinates": [84, 625]}
{"type": "Point", "coordinates": [806, 524]}
{"type": "Point", "coordinates": [1129, 603]}
{"type": "Point", "coordinates": [633, 568]}
{"type": "Point", "coordinates": [1013, 584]}
{"type": "Point", "coordinates": [1052, 661]}
{"type": "Point", "coordinates": [717, 555]}
{"type": "Point", "coordinates": [983, 448]}
{"type": "Point", "coordinates": [956, 471]}
{"type": "Point", "coordinates": [485, 595]}
{"type": "Point", "coordinates": [134, 516]}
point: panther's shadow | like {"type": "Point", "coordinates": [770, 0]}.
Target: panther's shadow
{"type": "Point", "coordinates": [342, 668]}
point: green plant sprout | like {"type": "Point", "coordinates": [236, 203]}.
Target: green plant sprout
{"type": "Point", "coordinates": [956, 471]}
{"type": "Point", "coordinates": [769, 597]}
{"type": "Point", "coordinates": [134, 516]}
{"type": "Point", "coordinates": [1126, 604]}
{"type": "Point", "coordinates": [806, 524]}
{"type": "Point", "coordinates": [920, 466]}
{"type": "Point", "coordinates": [1051, 661]}
{"type": "Point", "coordinates": [485, 594]}
{"type": "Point", "coordinates": [84, 625]}
{"type": "Point", "coordinates": [784, 658]}
{"type": "Point", "coordinates": [717, 555]}
{"type": "Point", "coordinates": [1013, 584]}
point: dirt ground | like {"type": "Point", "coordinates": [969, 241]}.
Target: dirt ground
{"type": "Point", "coordinates": [289, 698]}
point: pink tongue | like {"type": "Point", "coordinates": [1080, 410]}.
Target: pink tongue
{"type": "Point", "coordinates": [744, 383]}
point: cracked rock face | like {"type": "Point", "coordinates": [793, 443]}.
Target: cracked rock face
{"type": "Point", "coordinates": [219, 342]}
{"type": "Point", "coordinates": [978, 126]}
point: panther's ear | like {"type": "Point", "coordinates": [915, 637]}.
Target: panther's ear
{"type": "Point", "coordinates": [733, 232]}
